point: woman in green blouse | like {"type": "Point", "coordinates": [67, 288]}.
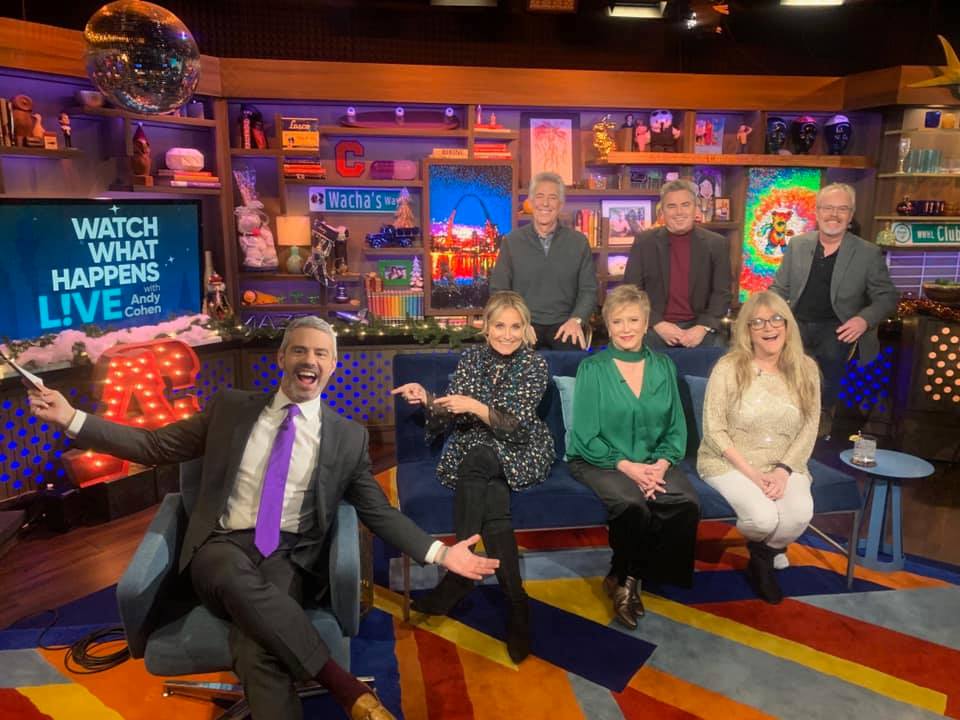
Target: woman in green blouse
{"type": "Point", "coordinates": [628, 435]}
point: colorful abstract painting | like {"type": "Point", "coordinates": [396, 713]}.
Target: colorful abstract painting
{"type": "Point", "coordinates": [781, 203]}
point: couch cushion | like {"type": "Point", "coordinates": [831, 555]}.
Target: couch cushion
{"type": "Point", "coordinates": [565, 386]}
{"type": "Point", "coordinates": [833, 490]}
{"type": "Point", "coordinates": [712, 504]}
{"type": "Point", "coordinates": [560, 501]}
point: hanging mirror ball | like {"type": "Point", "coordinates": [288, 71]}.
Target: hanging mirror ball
{"type": "Point", "coordinates": [141, 56]}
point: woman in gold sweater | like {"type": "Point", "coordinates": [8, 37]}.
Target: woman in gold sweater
{"type": "Point", "coordinates": [760, 418]}
{"type": "Point", "coordinates": [628, 435]}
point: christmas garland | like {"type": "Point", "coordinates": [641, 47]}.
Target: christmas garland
{"type": "Point", "coordinates": [912, 306]}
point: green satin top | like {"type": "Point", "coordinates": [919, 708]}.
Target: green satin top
{"type": "Point", "coordinates": [610, 423]}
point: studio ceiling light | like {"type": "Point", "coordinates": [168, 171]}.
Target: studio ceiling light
{"type": "Point", "coordinates": [651, 10]}
{"type": "Point", "coordinates": [811, 3]}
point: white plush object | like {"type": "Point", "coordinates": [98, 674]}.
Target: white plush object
{"type": "Point", "coordinates": [185, 159]}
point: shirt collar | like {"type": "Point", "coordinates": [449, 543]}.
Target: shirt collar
{"type": "Point", "coordinates": [309, 409]}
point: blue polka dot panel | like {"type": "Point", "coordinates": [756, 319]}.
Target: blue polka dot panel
{"type": "Point", "coordinates": [359, 388]}
{"type": "Point", "coordinates": [868, 388]}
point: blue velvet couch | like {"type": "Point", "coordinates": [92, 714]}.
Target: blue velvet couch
{"type": "Point", "coordinates": [562, 502]}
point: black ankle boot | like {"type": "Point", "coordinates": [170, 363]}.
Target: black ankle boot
{"type": "Point", "coordinates": [445, 596]}
{"type": "Point", "coordinates": [761, 574]}
{"type": "Point", "coordinates": [502, 544]}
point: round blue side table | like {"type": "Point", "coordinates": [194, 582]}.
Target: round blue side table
{"type": "Point", "coordinates": [891, 469]}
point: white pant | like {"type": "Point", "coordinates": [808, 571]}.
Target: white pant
{"type": "Point", "coordinates": [774, 522]}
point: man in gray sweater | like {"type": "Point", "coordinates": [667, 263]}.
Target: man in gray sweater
{"type": "Point", "coordinates": [552, 268]}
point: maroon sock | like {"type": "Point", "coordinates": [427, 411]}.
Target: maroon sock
{"type": "Point", "coordinates": [344, 687]}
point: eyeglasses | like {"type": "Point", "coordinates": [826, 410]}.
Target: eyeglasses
{"type": "Point", "coordinates": [774, 321]}
{"type": "Point", "coordinates": [839, 209]}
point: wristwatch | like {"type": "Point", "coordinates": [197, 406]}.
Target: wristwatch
{"type": "Point", "coordinates": [708, 329]}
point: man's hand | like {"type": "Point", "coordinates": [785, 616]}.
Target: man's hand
{"type": "Point", "coordinates": [852, 329]}
{"type": "Point", "coordinates": [413, 393]}
{"type": "Point", "coordinates": [693, 336]}
{"type": "Point", "coordinates": [671, 334]}
{"type": "Point", "coordinates": [461, 560]}
{"type": "Point", "coordinates": [459, 404]}
{"type": "Point", "coordinates": [571, 331]}
{"type": "Point", "coordinates": [50, 406]}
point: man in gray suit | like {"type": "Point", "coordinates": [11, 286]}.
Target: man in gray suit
{"type": "Point", "coordinates": [255, 540]}
{"type": "Point", "coordinates": [839, 289]}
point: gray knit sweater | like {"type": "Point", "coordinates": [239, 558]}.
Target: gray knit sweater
{"type": "Point", "coordinates": [556, 286]}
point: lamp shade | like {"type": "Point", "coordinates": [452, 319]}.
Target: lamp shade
{"type": "Point", "coordinates": [293, 230]}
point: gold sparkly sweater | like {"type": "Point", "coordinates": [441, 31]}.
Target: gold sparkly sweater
{"type": "Point", "coordinates": [766, 426]}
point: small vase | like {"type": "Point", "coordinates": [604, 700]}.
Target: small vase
{"type": "Point", "coordinates": [294, 262]}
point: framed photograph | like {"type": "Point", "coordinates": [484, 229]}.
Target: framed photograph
{"type": "Point", "coordinates": [550, 142]}
{"type": "Point", "coordinates": [721, 209]}
{"type": "Point", "coordinates": [708, 181]}
{"type": "Point", "coordinates": [395, 273]}
{"type": "Point", "coordinates": [626, 219]}
{"type": "Point", "coordinates": [708, 134]}
{"type": "Point", "coordinates": [469, 207]}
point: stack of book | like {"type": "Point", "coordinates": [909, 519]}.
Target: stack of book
{"type": "Point", "coordinates": [491, 151]}
{"type": "Point", "coordinates": [449, 153]}
{"type": "Point", "coordinates": [6, 123]}
{"type": "Point", "coordinates": [304, 169]}
{"type": "Point", "coordinates": [187, 178]}
{"type": "Point", "coordinates": [588, 222]}
{"type": "Point", "coordinates": [395, 306]}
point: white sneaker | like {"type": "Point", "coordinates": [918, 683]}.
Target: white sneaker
{"type": "Point", "coordinates": [781, 561]}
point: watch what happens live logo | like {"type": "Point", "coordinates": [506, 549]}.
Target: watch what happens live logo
{"type": "Point", "coordinates": [119, 277]}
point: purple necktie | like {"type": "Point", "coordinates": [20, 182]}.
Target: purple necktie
{"type": "Point", "coordinates": [267, 535]}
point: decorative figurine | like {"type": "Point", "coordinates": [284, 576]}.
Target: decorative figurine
{"type": "Point", "coordinates": [64, 121]}
{"type": "Point", "coordinates": [404, 215]}
{"type": "Point", "coordinates": [294, 261]}
{"type": "Point", "coordinates": [776, 134]}
{"type": "Point", "coordinates": [905, 206]}
{"type": "Point", "coordinates": [323, 238]}
{"type": "Point", "coordinates": [641, 137]}
{"type": "Point", "coordinates": [838, 131]}
{"type": "Point", "coordinates": [22, 118]}
{"type": "Point", "coordinates": [36, 131]}
{"type": "Point", "coordinates": [603, 141]}
{"type": "Point", "coordinates": [743, 134]}
{"type": "Point", "coordinates": [804, 132]}
{"type": "Point", "coordinates": [886, 236]}
{"type": "Point", "coordinates": [256, 238]}
{"type": "Point", "coordinates": [416, 274]}
{"type": "Point", "coordinates": [625, 133]}
{"type": "Point", "coordinates": [140, 161]}
{"type": "Point", "coordinates": [341, 295]}
{"type": "Point", "coordinates": [663, 135]}
{"type": "Point", "coordinates": [252, 135]}
{"type": "Point", "coordinates": [216, 303]}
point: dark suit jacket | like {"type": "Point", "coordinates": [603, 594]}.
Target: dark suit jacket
{"type": "Point", "coordinates": [219, 434]}
{"type": "Point", "coordinates": [860, 284]}
{"type": "Point", "coordinates": [648, 267]}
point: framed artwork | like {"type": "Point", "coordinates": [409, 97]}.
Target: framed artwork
{"type": "Point", "coordinates": [626, 219]}
{"type": "Point", "coordinates": [395, 273]}
{"type": "Point", "coordinates": [721, 209]}
{"type": "Point", "coordinates": [550, 142]}
{"type": "Point", "coordinates": [781, 203]}
{"type": "Point", "coordinates": [708, 134]}
{"type": "Point", "coordinates": [616, 265]}
{"type": "Point", "coordinates": [469, 207]}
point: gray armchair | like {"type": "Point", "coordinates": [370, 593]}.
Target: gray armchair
{"type": "Point", "coordinates": [175, 635]}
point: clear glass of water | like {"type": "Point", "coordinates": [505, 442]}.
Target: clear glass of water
{"type": "Point", "coordinates": [864, 451]}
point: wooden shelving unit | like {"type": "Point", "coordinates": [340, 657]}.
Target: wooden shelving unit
{"type": "Point", "coordinates": [849, 162]}
{"type": "Point", "coordinates": [398, 131]}
{"type": "Point", "coordinates": [163, 189]}
{"type": "Point", "coordinates": [59, 154]}
{"type": "Point", "coordinates": [148, 119]}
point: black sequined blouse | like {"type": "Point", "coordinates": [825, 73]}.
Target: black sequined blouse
{"type": "Point", "coordinates": [511, 386]}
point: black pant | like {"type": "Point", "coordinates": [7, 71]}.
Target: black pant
{"type": "Point", "coordinates": [272, 641]}
{"type": "Point", "coordinates": [482, 496]}
{"type": "Point", "coordinates": [651, 539]}
{"type": "Point", "coordinates": [653, 341]}
{"type": "Point", "coordinates": [820, 342]}
{"type": "Point", "coordinates": [546, 341]}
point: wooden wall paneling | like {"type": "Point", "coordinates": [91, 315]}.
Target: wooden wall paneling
{"type": "Point", "coordinates": [225, 254]}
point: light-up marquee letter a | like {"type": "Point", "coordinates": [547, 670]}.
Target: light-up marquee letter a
{"type": "Point", "coordinates": [138, 383]}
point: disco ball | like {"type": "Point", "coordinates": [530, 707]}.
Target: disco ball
{"type": "Point", "coordinates": [141, 56]}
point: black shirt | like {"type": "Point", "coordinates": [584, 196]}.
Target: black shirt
{"type": "Point", "coordinates": [814, 304]}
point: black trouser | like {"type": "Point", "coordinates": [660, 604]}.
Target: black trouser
{"type": "Point", "coordinates": [482, 505]}
{"type": "Point", "coordinates": [651, 539]}
{"type": "Point", "coordinates": [272, 641]}
{"type": "Point", "coordinates": [653, 341]}
{"type": "Point", "coordinates": [546, 341]}
{"type": "Point", "coordinates": [820, 342]}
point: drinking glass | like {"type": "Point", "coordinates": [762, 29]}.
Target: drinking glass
{"type": "Point", "coordinates": [902, 150]}
{"type": "Point", "coordinates": [864, 451]}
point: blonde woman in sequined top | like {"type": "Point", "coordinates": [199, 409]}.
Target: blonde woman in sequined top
{"type": "Point", "coordinates": [760, 417]}
{"type": "Point", "coordinates": [497, 444]}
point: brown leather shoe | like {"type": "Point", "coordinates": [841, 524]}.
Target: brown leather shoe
{"type": "Point", "coordinates": [636, 604]}
{"type": "Point", "coordinates": [621, 608]}
{"type": "Point", "coordinates": [369, 707]}
{"type": "Point", "coordinates": [610, 585]}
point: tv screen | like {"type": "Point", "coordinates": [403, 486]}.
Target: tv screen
{"type": "Point", "coordinates": [110, 263]}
